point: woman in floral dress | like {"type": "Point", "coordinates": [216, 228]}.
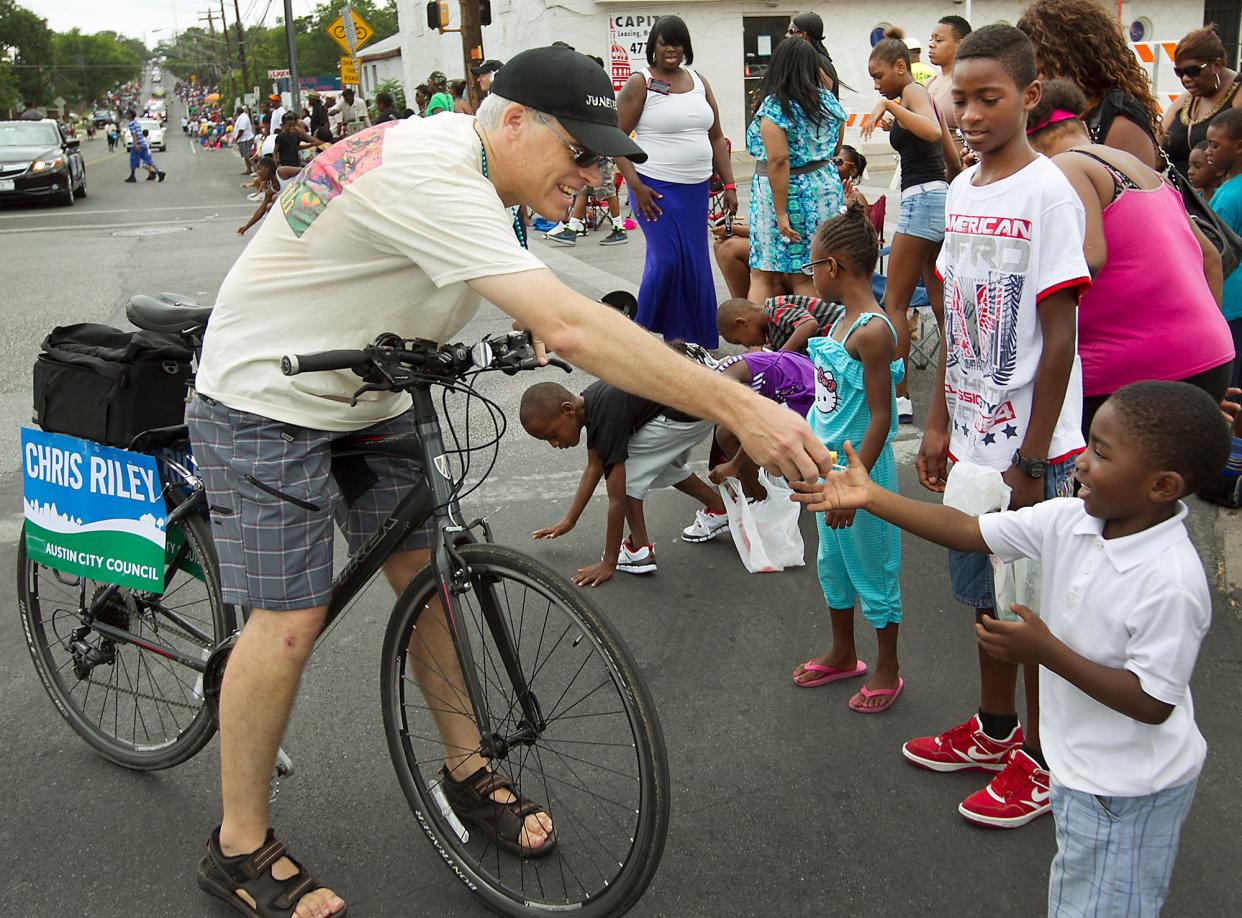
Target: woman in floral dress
{"type": "Point", "coordinates": [795, 134]}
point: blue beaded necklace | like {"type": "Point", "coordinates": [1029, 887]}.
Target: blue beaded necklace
{"type": "Point", "coordinates": [519, 228]}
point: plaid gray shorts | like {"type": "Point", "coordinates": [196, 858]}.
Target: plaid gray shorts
{"type": "Point", "coordinates": [274, 490]}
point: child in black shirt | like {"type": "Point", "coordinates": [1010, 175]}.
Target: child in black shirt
{"type": "Point", "coordinates": [634, 444]}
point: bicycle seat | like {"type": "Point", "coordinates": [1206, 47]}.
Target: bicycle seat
{"type": "Point", "coordinates": [179, 300]}
{"type": "Point", "coordinates": [169, 314]}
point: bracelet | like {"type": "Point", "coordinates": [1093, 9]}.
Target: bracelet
{"type": "Point", "coordinates": [731, 186]}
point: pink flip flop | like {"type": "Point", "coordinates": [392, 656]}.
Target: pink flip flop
{"type": "Point", "coordinates": [830, 674]}
{"type": "Point", "coordinates": [864, 693]}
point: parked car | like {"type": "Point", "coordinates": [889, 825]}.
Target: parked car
{"type": "Point", "coordinates": [152, 129]}
{"type": "Point", "coordinates": [37, 159]}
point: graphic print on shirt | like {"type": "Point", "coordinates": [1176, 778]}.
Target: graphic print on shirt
{"type": "Point", "coordinates": [313, 189]}
{"type": "Point", "coordinates": [826, 395]}
{"type": "Point", "coordinates": [982, 298]}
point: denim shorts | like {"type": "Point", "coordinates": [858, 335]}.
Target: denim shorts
{"type": "Point", "coordinates": [1115, 855]}
{"type": "Point", "coordinates": [922, 215]}
{"type": "Point", "coordinates": [970, 574]}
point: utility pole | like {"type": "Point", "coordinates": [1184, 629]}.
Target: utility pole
{"type": "Point", "coordinates": [472, 47]}
{"type": "Point", "coordinates": [294, 88]}
{"type": "Point", "coordinates": [215, 59]}
{"type": "Point", "coordinates": [228, 47]}
{"type": "Point", "coordinates": [241, 47]}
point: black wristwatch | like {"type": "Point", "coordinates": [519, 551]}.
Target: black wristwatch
{"type": "Point", "coordinates": [1032, 468]}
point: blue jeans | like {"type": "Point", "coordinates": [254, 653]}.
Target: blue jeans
{"type": "Point", "coordinates": [970, 574]}
{"type": "Point", "coordinates": [1115, 854]}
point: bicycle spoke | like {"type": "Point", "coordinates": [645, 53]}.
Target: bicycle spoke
{"type": "Point", "coordinates": [586, 765]}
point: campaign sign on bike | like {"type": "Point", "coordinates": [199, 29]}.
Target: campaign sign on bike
{"type": "Point", "coordinates": [93, 510]}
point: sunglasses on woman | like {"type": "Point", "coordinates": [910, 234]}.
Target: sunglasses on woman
{"type": "Point", "coordinates": [583, 158]}
{"type": "Point", "coordinates": [1192, 71]}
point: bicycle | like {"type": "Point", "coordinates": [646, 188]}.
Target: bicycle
{"type": "Point", "coordinates": [518, 658]}
{"type": "Point", "coordinates": [150, 712]}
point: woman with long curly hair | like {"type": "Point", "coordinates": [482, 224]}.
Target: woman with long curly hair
{"type": "Point", "coordinates": [1080, 41]}
{"type": "Point", "coordinates": [1153, 308]}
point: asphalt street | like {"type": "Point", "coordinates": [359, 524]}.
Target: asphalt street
{"type": "Point", "coordinates": [784, 801]}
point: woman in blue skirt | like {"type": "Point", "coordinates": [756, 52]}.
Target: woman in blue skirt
{"type": "Point", "coordinates": [673, 112]}
{"type": "Point", "coordinates": [795, 134]}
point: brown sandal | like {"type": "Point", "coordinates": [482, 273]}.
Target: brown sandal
{"type": "Point", "coordinates": [222, 876]}
{"type": "Point", "coordinates": [471, 799]}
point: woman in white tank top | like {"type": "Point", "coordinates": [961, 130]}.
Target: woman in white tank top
{"type": "Point", "coordinates": [674, 116]}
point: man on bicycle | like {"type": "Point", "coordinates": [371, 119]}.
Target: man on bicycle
{"type": "Point", "coordinates": [405, 227]}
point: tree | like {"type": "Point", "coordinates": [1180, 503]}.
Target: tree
{"type": "Point", "coordinates": [29, 42]}
{"type": "Point", "coordinates": [86, 65]}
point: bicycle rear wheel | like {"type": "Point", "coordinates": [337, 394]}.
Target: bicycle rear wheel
{"type": "Point", "coordinates": [598, 763]}
{"type": "Point", "coordinates": [134, 705]}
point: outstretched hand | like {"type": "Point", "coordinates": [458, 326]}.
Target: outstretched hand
{"type": "Point", "coordinates": [1015, 642]}
{"type": "Point", "coordinates": [840, 490]}
{"type": "Point", "coordinates": [553, 531]}
{"type": "Point", "coordinates": [780, 441]}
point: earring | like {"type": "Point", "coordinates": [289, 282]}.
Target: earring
{"type": "Point", "coordinates": [1218, 79]}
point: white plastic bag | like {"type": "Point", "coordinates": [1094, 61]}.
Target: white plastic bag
{"type": "Point", "coordinates": [976, 490]}
{"type": "Point", "coordinates": [765, 532]}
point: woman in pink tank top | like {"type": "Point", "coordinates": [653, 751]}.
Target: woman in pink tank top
{"type": "Point", "coordinates": [1153, 309]}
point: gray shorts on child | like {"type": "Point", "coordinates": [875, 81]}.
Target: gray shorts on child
{"type": "Point", "coordinates": [659, 454]}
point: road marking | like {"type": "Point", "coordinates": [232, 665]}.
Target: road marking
{"type": "Point", "coordinates": [52, 215]}
{"type": "Point", "coordinates": [106, 227]}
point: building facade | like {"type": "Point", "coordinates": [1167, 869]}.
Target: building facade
{"type": "Point", "coordinates": [734, 40]}
{"type": "Point", "coordinates": [379, 63]}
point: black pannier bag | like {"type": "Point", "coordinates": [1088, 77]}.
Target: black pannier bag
{"type": "Point", "coordinates": [106, 384]}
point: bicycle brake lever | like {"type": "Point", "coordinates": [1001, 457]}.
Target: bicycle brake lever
{"type": "Point", "coordinates": [368, 387]}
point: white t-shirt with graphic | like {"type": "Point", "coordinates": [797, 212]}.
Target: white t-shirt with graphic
{"type": "Point", "coordinates": [1007, 246]}
{"type": "Point", "coordinates": [379, 233]}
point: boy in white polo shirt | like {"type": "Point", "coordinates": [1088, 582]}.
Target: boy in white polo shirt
{"type": "Point", "coordinates": [1125, 606]}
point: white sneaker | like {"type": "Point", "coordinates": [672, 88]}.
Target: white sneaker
{"type": "Point", "coordinates": [905, 410]}
{"type": "Point", "coordinates": [636, 560]}
{"type": "Point", "coordinates": [706, 526]}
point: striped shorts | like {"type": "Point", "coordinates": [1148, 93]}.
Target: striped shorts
{"type": "Point", "coordinates": [274, 490]}
{"type": "Point", "coordinates": [1115, 854]}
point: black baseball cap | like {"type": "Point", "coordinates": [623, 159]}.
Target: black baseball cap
{"type": "Point", "coordinates": [488, 66]}
{"type": "Point", "coordinates": [575, 90]}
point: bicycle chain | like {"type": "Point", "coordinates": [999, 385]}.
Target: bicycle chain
{"type": "Point", "coordinates": [144, 695]}
{"type": "Point", "coordinates": [147, 696]}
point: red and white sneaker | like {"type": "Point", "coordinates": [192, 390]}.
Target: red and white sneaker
{"type": "Point", "coordinates": [963, 748]}
{"type": "Point", "coordinates": [1013, 798]}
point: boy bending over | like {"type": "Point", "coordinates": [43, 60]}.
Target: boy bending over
{"type": "Point", "coordinates": [782, 323]}
{"type": "Point", "coordinates": [1125, 606]}
{"type": "Point", "coordinates": [634, 444]}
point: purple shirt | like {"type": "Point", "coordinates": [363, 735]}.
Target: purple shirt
{"type": "Point", "coordinates": [785, 377]}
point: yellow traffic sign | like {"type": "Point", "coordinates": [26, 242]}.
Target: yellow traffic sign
{"type": "Point", "coordinates": [363, 32]}
{"type": "Point", "coordinates": [349, 73]}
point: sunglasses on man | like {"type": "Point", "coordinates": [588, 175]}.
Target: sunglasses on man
{"type": "Point", "coordinates": [583, 158]}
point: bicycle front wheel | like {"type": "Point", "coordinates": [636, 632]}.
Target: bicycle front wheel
{"type": "Point", "coordinates": [129, 699]}
{"type": "Point", "coordinates": [593, 754]}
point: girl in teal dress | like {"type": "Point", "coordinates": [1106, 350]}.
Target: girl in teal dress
{"type": "Point", "coordinates": [799, 117]}
{"type": "Point", "coordinates": [855, 371]}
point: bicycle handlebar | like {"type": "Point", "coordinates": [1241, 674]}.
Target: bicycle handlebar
{"type": "Point", "coordinates": [395, 363]}
{"type": "Point", "coordinates": [294, 364]}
